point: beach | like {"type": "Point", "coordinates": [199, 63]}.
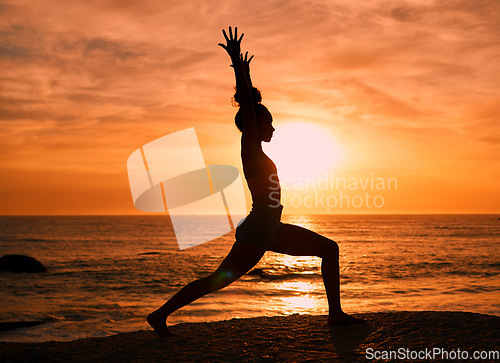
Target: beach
{"type": "Point", "coordinates": [295, 338]}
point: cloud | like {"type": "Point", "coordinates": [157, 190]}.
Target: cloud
{"type": "Point", "coordinates": [86, 81]}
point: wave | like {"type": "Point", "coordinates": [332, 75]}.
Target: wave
{"type": "Point", "coordinates": [149, 253]}
{"type": "Point", "coordinates": [266, 275]}
{"type": "Point", "coordinates": [30, 239]}
{"type": "Point", "coordinates": [471, 290]}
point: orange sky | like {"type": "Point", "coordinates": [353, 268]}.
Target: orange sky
{"type": "Point", "coordinates": [408, 89]}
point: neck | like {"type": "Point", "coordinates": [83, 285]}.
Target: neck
{"type": "Point", "coordinates": [259, 143]}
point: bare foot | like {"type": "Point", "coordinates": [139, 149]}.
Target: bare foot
{"type": "Point", "coordinates": [159, 324]}
{"type": "Point", "coordinates": [343, 318]}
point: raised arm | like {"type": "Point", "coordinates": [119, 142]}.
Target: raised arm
{"type": "Point", "coordinates": [243, 85]}
{"type": "Point", "coordinates": [246, 66]}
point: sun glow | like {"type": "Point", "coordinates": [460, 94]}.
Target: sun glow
{"type": "Point", "coordinates": [300, 303]}
{"type": "Point", "coordinates": [303, 150]}
{"type": "Point", "coordinates": [304, 299]}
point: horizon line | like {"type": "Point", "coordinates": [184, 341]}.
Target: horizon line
{"type": "Point", "coordinates": [285, 214]}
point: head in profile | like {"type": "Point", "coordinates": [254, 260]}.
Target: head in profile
{"type": "Point", "coordinates": [264, 117]}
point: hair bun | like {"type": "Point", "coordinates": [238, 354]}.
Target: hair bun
{"type": "Point", "coordinates": [256, 96]}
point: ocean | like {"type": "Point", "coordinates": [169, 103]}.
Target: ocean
{"type": "Point", "coordinates": [106, 273]}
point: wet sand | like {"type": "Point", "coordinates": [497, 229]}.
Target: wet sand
{"type": "Point", "coordinates": [291, 338]}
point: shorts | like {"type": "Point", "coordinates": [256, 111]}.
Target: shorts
{"type": "Point", "coordinates": [261, 227]}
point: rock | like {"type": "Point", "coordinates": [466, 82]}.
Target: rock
{"type": "Point", "coordinates": [11, 325]}
{"type": "Point", "coordinates": [20, 263]}
{"type": "Point", "coordinates": [258, 272]}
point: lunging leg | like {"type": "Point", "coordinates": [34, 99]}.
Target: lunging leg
{"type": "Point", "coordinates": [299, 241]}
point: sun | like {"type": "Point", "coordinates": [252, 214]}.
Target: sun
{"type": "Point", "coordinates": [303, 150]}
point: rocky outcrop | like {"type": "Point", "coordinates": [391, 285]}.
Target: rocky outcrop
{"type": "Point", "coordinates": [11, 325]}
{"type": "Point", "coordinates": [257, 272]}
{"type": "Point", "coordinates": [20, 263]}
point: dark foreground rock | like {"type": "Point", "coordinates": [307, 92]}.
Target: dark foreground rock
{"type": "Point", "coordinates": [295, 338]}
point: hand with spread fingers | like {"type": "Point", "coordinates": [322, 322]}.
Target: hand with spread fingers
{"type": "Point", "coordinates": [233, 44]}
{"type": "Point", "coordinates": [246, 62]}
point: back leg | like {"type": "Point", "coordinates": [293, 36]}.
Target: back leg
{"type": "Point", "coordinates": [238, 262]}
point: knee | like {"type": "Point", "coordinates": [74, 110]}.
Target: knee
{"type": "Point", "coordinates": [220, 279]}
{"type": "Point", "coordinates": [331, 250]}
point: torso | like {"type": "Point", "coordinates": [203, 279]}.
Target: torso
{"type": "Point", "coordinates": [262, 178]}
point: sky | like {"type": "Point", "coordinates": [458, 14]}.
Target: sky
{"type": "Point", "coordinates": [405, 90]}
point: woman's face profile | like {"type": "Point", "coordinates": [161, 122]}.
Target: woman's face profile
{"type": "Point", "coordinates": [265, 124]}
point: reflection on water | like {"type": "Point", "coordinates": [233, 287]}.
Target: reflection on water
{"type": "Point", "coordinates": [303, 221]}
{"type": "Point", "coordinates": [303, 287]}
{"type": "Point", "coordinates": [304, 264]}
{"type": "Point", "coordinates": [305, 302]}
{"type": "Point", "coordinates": [301, 304]}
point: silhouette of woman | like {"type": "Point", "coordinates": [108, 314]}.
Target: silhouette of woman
{"type": "Point", "coordinates": [261, 230]}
